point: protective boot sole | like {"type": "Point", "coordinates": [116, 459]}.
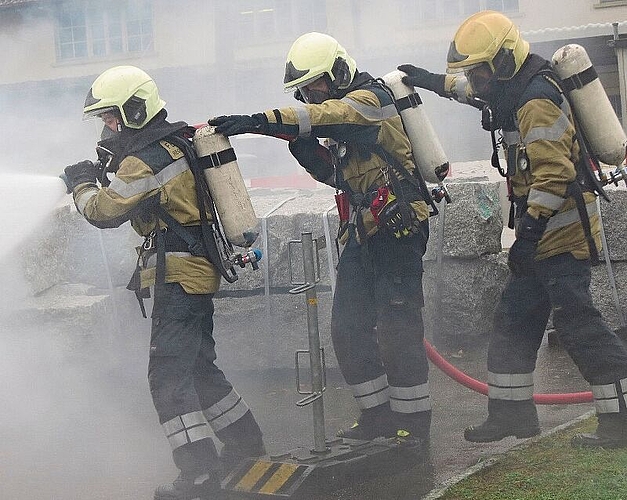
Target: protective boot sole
{"type": "Point", "coordinates": [363, 435]}
{"type": "Point", "coordinates": [594, 441]}
{"type": "Point", "coordinates": [477, 435]}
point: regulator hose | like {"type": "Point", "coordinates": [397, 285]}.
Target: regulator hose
{"type": "Point", "coordinates": [481, 387]}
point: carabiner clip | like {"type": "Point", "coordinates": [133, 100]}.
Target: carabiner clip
{"type": "Point", "coordinates": [385, 171]}
{"type": "Point", "coordinates": [149, 241]}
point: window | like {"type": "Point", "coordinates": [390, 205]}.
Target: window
{"type": "Point", "coordinates": [502, 5]}
{"type": "Point", "coordinates": [470, 7]}
{"type": "Point", "coordinates": [95, 29]}
{"type": "Point", "coordinates": [439, 10]}
{"type": "Point", "coordinates": [616, 104]}
{"type": "Point", "coordinates": [261, 21]}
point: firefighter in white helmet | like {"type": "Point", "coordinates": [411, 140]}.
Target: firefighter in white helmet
{"type": "Point", "coordinates": [152, 182]}
{"type": "Point", "coordinates": [557, 229]}
{"type": "Point", "coordinates": [377, 327]}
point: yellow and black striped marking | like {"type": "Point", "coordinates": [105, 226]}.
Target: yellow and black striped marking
{"type": "Point", "coordinates": [263, 477]}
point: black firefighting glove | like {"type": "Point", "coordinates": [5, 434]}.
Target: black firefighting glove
{"type": "Point", "coordinates": [399, 218]}
{"type": "Point", "coordinates": [420, 77]}
{"type": "Point", "coordinates": [522, 254]}
{"type": "Point", "coordinates": [79, 173]}
{"type": "Point", "coordinates": [239, 124]}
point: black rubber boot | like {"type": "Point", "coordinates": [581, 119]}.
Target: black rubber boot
{"type": "Point", "coordinates": [413, 427]}
{"type": "Point", "coordinates": [506, 418]}
{"type": "Point", "coordinates": [191, 485]}
{"type": "Point", "coordinates": [372, 423]}
{"type": "Point", "coordinates": [611, 433]}
{"type": "Point", "coordinates": [242, 439]}
{"type": "Point", "coordinates": [200, 475]}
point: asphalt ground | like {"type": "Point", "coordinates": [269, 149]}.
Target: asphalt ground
{"type": "Point", "coordinates": [454, 408]}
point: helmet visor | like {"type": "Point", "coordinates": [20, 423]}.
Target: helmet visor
{"type": "Point", "coordinates": [317, 91]}
{"type": "Point", "coordinates": [300, 85]}
{"type": "Point", "coordinates": [97, 113]}
{"type": "Point", "coordinates": [110, 117]}
{"type": "Point", "coordinates": [480, 76]}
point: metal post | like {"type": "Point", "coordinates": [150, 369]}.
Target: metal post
{"type": "Point", "coordinates": [439, 267]}
{"type": "Point", "coordinates": [621, 56]}
{"type": "Point", "coordinates": [314, 343]}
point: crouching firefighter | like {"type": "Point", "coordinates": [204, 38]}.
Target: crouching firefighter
{"type": "Point", "coordinates": [167, 203]}
{"type": "Point", "coordinates": [557, 227]}
{"type": "Point", "coordinates": [376, 326]}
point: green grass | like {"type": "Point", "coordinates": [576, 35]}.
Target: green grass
{"type": "Point", "coordinates": [549, 469]}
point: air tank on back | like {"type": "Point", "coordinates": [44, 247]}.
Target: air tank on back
{"type": "Point", "coordinates": [592, 107]}
{"type": "Point", "coordinates": [429, 155]}
{"type": "Point", "coordinates": [226, 186]}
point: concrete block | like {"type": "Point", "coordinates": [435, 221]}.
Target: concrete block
{"type": "Point", "coordinates": [461, 297]}
{"type": "Point", "coordinates": [472, 222]}
{"type": "Point", "coordinates": [614, 215]}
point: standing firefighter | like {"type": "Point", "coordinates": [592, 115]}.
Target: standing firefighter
{"type": "Point", "coordinates": [376, 327]}
{"type": "Point", "coordinates": [151, 159]}
{"type": "Point", "coordinates": [557, 230]}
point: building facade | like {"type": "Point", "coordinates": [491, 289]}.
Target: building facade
{"type": "Point", "coordinates": [213, 57]}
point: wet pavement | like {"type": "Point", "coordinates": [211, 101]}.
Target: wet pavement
{"type": "Point", "coordinates": [83, 427]}
{"type": "Point", "coordinates": [454, 408]}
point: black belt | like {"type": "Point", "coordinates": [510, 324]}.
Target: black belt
{"type": "Point", "coordinates": [174, 243]}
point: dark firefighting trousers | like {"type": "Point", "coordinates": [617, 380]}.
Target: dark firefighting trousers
{"type": "Point", "coordinates": [191, 394]}
{"type": "Point", "coordinates": [377, 327]}
{"type": "Point", "coordinates": [560, 284]}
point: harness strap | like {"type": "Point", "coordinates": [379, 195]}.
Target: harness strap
{"type": "Point", "coordinates": [409, 101]}
{"type": "Point", "coordinates": [134, 285]}
{"type": "Point", "coordinates": [217, 159]}
{"type": "Point", "coordinates": [159, 269]}
{"type": "Point", "coordinates": [578, 80]}
{"type": "Point", "coordinates": [194, 245]}
{"type": "Point", "coordinates": [574, 190]}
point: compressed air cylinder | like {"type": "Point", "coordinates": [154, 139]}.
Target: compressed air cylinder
{"type": "Point", "coordinates": [428, 152]}
{"type": "Point", "coordinates": [592, 107]}
{"type": "Point", "coordinates": [226, 186]}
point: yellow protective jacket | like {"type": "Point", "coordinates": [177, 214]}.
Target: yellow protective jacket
{"type": "Point", "coordinates": [540, 129]}
{"type": "Point", "coordinates": [159, 173]}
{"type": "Point", "coordinates": [363, 119]}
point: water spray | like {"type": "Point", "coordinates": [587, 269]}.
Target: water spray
{"type": "Point", "coordinates": [27, 201]}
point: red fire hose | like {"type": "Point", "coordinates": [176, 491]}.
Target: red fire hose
{"type": "Point", "coordinates": [481, 387]}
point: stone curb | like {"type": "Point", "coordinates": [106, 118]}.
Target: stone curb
{"type": "Point", "coordinates": [440, 490]}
